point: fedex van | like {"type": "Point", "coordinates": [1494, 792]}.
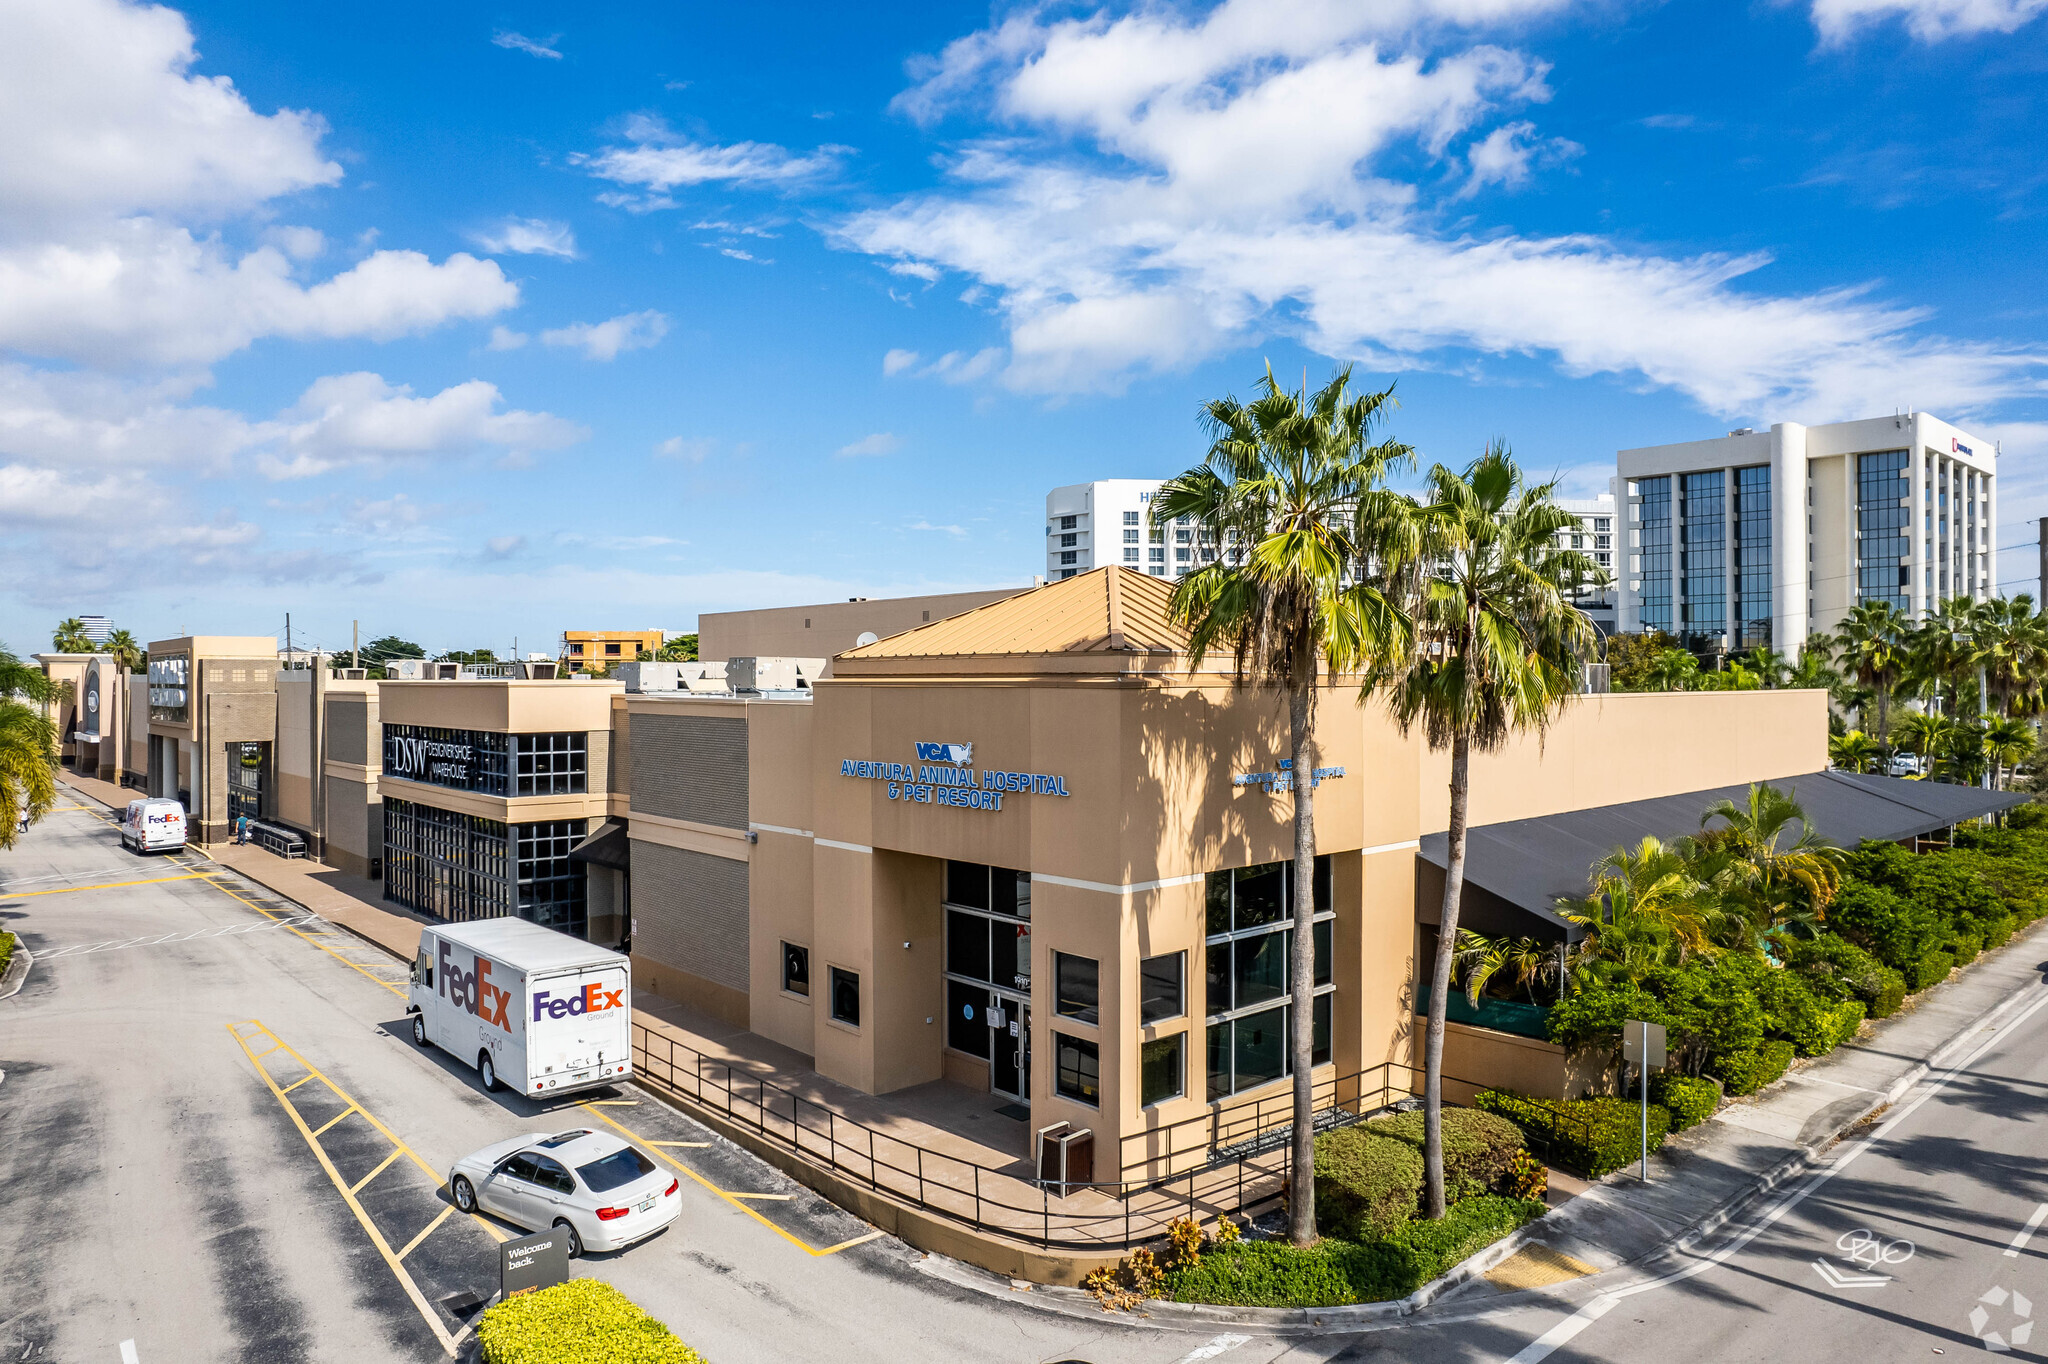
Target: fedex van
{"type": "Point", "coordinates": [531, 1008]}
{"type": "Point", "coordinates": [153, 826]}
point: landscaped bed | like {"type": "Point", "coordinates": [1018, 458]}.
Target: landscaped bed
{"type": "Point", "coordinates": [1374, 1247]}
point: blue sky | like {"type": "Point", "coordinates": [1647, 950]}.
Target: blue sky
{"type": "Point", "coordinates": [475, 323]}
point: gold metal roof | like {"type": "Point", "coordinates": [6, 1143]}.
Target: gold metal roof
{"type": "Point", "coordinates": [1106, 611]}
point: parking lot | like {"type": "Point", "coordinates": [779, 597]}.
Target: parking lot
{"type": "Point", "coordinates": [219, 1142]}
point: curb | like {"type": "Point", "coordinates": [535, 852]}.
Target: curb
{"type": "Point", "coordinates": [17, 970]}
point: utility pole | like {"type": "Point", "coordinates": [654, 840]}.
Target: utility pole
{"type": "Point", "coordinates": [355, 644]}
{"type": "Point", "coordinates": [287, 639]}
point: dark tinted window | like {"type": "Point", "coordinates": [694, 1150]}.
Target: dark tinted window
{"type": "Point", "coordinates": [1160, 988]}
{"type": "Point", "coordinates": [620, 1167]}
{"type": "Point", "coordinates": [967, 884]}
{"type": "Point", "coordinates": [563, 1138]}
{"type": "Point", "coordinates": [553, 1175]}
{"type": "Point", "coordinates": [967, 1018]}
{"type": "Point", "coordinates": [1078, 987]}
{"type": "Point", "coordinates": [796, 969]}
{"type": "Point", "coordinates": [1161, 1065]}
{"type": "Point", "coordinates": [521, 1166]}
{"type": "Point", "coordinates": [846, 996]}
{"type": "Point", "coordinates": [1077, 1069]}
{"type": "Point", "coordinates": [967, 945]}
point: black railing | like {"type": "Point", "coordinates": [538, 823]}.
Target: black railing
{"type": "Point", "coordinates": [1232, 1161]}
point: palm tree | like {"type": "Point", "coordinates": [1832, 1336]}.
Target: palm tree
{"type": "Point", "coordinates": [126, 651]}
{"type": "Point", "coordinates": [1852, 752]}
{"type": "Point", "coordinates": [1871, 653]}
{"type": "Point", "coordinates": [1942, 651]}
{"type": "Point", "coordinates": [1297, 480]}
{"type": "Point", "coordinates": [69, 637]}
{"type": "Point", "coordinates": [2014, 648]}
{"type": "Point", "coordinates": [1768, 665]}
{"type": "Point", "coordinates": [28, 745]}
{"type": "Point", "coordinates": [1776, 872]}
{"type": "Point", "coordinates": [2009, 742]}
{"type": "Point", "coordinates": [1815, 668]}
{"type": "Point", "coordinates": [1923, 732]}
{"type": "Point", "coordinates": [1674, 670]}
{"type": "Point", "coordinates": [1480, 958]}
{"type": "Point", "coordinates": [1500, 648]}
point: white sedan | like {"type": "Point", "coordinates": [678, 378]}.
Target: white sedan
{"type": "Point", "coordinates": [603, 1190]}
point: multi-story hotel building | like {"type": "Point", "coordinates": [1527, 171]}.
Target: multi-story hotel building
{"type": "Point", "coordinates": [1093, 525]}
{"type": "Point", "coordinates": [1761, 537]}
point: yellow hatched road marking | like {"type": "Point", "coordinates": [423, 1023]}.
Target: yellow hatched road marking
{"type": "Point", "coordinates": [111, 885]}
{"type": "Point", "coordinates": [357, 1187]}
{"type": "Point", "coordinates": [277, 915]}
{"type": "Point", "coordinates": [321, 1131]}
{"type": "Point", "coordinates": [259, 1032]}
{"type": "Point", "coordinates": [426, 1231]}
{"type": "Point", "coordinates": [737, 1200]}
{"type": "Point", "coordinates": [295, 1084]}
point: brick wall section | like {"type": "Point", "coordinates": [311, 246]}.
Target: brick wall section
{"type": "Point", "coordinates": [690, 767]}
{"type": "Point", "coordinates": [597, 761]}
{"type": "Point", "coordinates": [690, 911]}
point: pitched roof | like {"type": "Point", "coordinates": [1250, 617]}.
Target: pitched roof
{"type": "Point", "coordinates": [1106, 611]}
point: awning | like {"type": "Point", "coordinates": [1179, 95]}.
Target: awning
{"type": "Point", "coordinates": [1530, 863]}
{"type": "Point", "coordinates": [604, 846]}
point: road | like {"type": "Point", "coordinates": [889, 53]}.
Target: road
{"type": "Point", "coordinates": [218, 1143]}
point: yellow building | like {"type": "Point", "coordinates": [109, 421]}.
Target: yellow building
{"type": "Point", "coordinates": [606, 648]}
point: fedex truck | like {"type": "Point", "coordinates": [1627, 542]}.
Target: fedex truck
{"type": "Point", "coordinates": [530, 1008]}
{"type": "Point", "coordinates": [149, 826]}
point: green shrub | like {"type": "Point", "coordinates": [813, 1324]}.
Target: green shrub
{"type": "Point", "coordinates": [1998, 932]}
{"type": "Point", "coordinates": [1792, 1011]}
{"type": "Point", "coordinates": [1592, 1016]}
{"type": "Point", "coordinates": [1336, 1272]}
{"type": "Point", "coordinates": [1691, 1099]}
{"type": "Point", "coordinates": [1843, 1021]}
{"type": "Point", "coordinates": [7, 941]}
{"type": "Point", "coordinates": [1931, 968]}
{"type": "Point", "coordinates": [1881, 922]}
{"type": "Point", "coordinates": [2031, 816]}
{"type": "Point", "coordinates": [1890, 997]}
{"type": "Point", "coordinates": [1836, 969]}
{"type": "Point", "coordinates": [1366, 1185]}
{"type": "Point", "coordinates": [1592, 1136]}
{"type": "Point", "coordinates": [1745, 1072]}
{"type": "Point", "coordinates": [1479, 1148]}
{"type": "Point", "coordinates": [586, 1320]}
{"type": "Point", "coordinates": [1965, 944]}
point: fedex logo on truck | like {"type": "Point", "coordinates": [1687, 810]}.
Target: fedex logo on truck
{"type": "Point", "coordinates": [592, 998]}
{"type": "Point", "coordinates": [472, 991]}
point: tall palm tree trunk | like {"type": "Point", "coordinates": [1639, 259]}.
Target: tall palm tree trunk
{"type": "Point", "coordinates": [1440, 977]}
{"type": "Point", "coordinates": [1301, 1210]}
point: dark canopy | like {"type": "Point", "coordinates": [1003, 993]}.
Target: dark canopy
{"type": "Point", "coordinates": [1530, 863]}
{"type": "Point", "coordinates": [605, 846]}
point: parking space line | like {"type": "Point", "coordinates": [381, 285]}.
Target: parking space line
{"type": "Point", "coordinates": [251, 1031]}
{"type": "Point", "coordinates": [696, 1145]}
{"type": "Point", "coordinates": [2019, 1242]}
{"type": "Point", "coordinates": [357, 1187]}
{"type": "Point", "coordinates": [111, 885]}
{"type": "Point", "coordinates": [331, 1121]}
{"type": "Point", "coordinates": [295, 1084]}
{"type": "Point", "coordinates": [768, 1197]}
{"type": "Point", "coordinates": [426, 1231]}
{"type": "Point", "coordinates": [277, 917]}
{"type": "Point", "coordinates": [736, 1200]}
{"type": "Point", "coordinates": [877, 1234]}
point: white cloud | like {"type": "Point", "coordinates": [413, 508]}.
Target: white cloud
{"type": "Point", "coordinates": [605, 340]}
{"type": "Point", "coordinates": [104, 118]}
{"type": "Point", "coordinates": [896, 361]}
{"type": "Point", "coordinates": [1505, 156]}
{"type": "Point", "coordinates": [1930, 21]}
{"type": "Point", "coordinates": [357, 418]}
{"type": "Point", "coordinates": [693, 450]}
{"type": "Point", "coordinates": [144, 292]}
{"type": "Point", "coordinates": [958, 532]}
{"type": "Point", "coordinates": [504, 338]}
{"type": "Point", "coordinates": [504, 546]}
{"type": "Point", "coordinates": [658, 160]}
{"type": "Point", "coordinates": [880, 443]}
{"type": "Point", "coordinates": [1173, 187]}
{"type": "Point", "coordinates": [528, 237]}
{"type": "Point", "coordinates": [519, 42]}
{"type": "Point", "coordinates": [78, 420]}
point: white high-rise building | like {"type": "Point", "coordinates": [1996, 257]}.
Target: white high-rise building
{"type": "Point", "coordinates": [1594, 536]}
{"type": "Point", "coordinates": [1109, 521]}
{"type": "Point", "coordinates": [1759, 537]}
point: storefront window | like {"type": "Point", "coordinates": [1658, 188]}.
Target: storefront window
{"type": "Point", "coordinates": [551, 887]}
{"type": "Point", "coordinates": [1248, 947]}
{"type": "Point", "coordinates": [462, 867]}
{"type": "Point", "coordinates": [487, 762]}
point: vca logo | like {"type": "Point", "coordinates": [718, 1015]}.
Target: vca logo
{"type": "Point", "coordinates": [946, 753]}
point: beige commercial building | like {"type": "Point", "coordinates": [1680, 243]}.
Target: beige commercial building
{"type": "Point", "coordinates": [827, 628]}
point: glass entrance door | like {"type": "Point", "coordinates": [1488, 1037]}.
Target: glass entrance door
{"type": "Point", "coordinates": [1010, 1047]}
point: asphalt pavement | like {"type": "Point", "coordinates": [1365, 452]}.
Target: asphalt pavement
{"type": "Point", "coordinates": [217, 1142]}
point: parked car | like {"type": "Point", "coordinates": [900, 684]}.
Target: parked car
{"type": "Point", "coordinates": [156, 825]}
{"type": "Point", "coordinates": [1905, 765]}
{"type": "Point", "coordinates": [604, 1191]}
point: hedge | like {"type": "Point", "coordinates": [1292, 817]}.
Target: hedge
{"type": "Point", "coordinates": [1592, 1136]}
{"type": "Point", "coordinates": [585, 1320]}
{"type": "Point", "coordinates": [1479, 1148]}
{"type": "Point", "coordinates": [1745, 1072]}
{"type": "Point", "coordinates": [1336, 1272]}
{"type": "Point", "coordinates": [1366, 1185]}
{"type": "Point", "coordinates": [1837, 969]}
{"type": "Point", "coordinates": [1931, 968]}
{"type": "Point", "coordinates": [7, 941]}
{"type": "Point", "coordinates": [1690, 1099]}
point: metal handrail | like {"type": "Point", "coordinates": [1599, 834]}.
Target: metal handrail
{"type": "Point", "coordinates": [1227, 1179]}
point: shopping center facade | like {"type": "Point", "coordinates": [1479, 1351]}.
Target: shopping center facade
{"type": "Point", "coordinates": [1032, 849]}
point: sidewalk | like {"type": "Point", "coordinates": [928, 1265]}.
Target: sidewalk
{"type": "Point", "coordinates": [1755, 1144]}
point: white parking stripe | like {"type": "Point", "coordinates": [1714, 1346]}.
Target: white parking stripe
{"type": "Point", "coordinates": [2019, 1242]}
{"type": "Point", "coordinates": [128, 1355]}
{"type": "Point", "coordinates": [1215, 1347]}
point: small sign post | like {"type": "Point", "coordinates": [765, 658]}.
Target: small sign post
{"type": "Point", "coordinates": [1642, 1045]}
{"type": "Point", "coordinates": [530, 1262]}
